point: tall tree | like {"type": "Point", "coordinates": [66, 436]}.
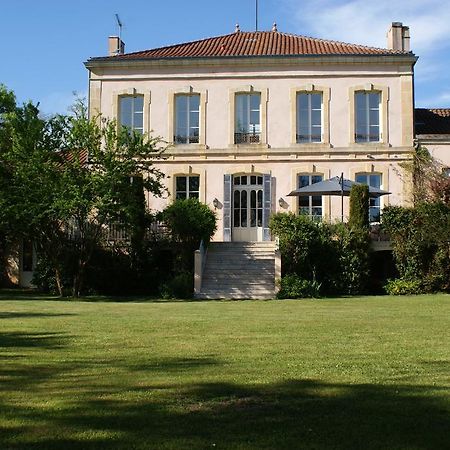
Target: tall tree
{"type": "Point", "coordinates": [68, 178]}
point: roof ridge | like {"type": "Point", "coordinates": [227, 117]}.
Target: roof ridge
{"type": "Point", "coordinates": [301, 36]}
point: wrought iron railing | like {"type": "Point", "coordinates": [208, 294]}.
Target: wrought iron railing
{"type": "Point", "coordinates": [247, 138]}
{"type": "Point", "coordinates": [186, 139]}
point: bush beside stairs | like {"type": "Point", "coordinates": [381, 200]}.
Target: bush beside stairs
{"type": "Point", "coordinates": [239, 270]}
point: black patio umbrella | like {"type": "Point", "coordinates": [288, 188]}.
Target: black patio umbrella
{"type": "Point", "coordinates": [336, 186]}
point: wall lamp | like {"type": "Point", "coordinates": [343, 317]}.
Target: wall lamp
{"type": "Point", "coordinates": [281, 202]}
{"type": "Point", "coordinates": [216, 203]}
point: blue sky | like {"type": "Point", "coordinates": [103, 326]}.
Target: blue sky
{"type": "Point", "coordinates": [45, 42]}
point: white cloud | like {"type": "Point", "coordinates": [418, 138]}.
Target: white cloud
{"type": "Point", "coordinates": [366, 22]}
{"type": "Point", "coordinates": [441, 100]}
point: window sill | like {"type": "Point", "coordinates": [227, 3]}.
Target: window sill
{"type": "Point", "coordinates": [369, 145]}
{"type": "Point", "coordinates": [182, 148]}
{"type": "Point", "coordinates": [308, 146]}
{"type": "Point", "coordinates": [250, 146]}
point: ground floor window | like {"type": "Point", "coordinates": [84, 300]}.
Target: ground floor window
{"type": "Point", "coordinates": [187, 186]}
{"type": "Point", "coordinates": [310, 205]}
{"type": "Point", "coordinates": [373, 180]}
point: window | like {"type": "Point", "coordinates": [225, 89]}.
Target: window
{"type": "Point", "coordinates": [187, 119]}
{"type": "Point", "coordinates": [309, 117]}
{"type": "Point", "coordinates": [367, 116]}
{"type": "Point", "coordinates": [310, 205]}
{"type": "Point", "coordinates": [247, 129]}
{"type": "Point", "coordinates": [187, 186]}
{"type": "Point", "coordinates": [131, 112]}
{"type": "Point", "coordinates": [374, 180]}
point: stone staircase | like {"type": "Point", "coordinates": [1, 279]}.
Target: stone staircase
{"type": "Point", "coordinates": [239, 270]}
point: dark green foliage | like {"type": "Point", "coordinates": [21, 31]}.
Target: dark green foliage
{"type": "Point", "coordinates": [180, 286]}
{"type": "Point", "coordinates": [291, 286]}
{"type": "Point", "coordinates": [112, 271]}
{"type": "Point", "coordinates": [303, 244]}
{"type": "Point", "coordinates": [190, 222]}
{"type": "Point", "coordinates": [333, 256]}
{"type": "Point", "coordinates": [420, 239]}
{"type": "Point", "coordinates": [52, 194]}
{"type": "Point", "coordinates": [359, 207]}
{"type": "Point", "coordinates": [401, 286]}
{"type": "Point", "coordinates": [353, 255]}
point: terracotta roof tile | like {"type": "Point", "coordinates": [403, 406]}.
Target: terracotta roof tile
{"type": "Point", "coordinates": [257, 43]}
{"type": "Point", "coordinates": [432, 121]}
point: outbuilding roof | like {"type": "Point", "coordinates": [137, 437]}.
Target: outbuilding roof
{"type": "Point", "coordinates": [432, 121]}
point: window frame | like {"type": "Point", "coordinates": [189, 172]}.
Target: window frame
{"type": "Point", "coordinates": [247, 113]}
{"type": "Point", "coordinates": [171, 119]}
{"type": "Point", "coordinates": [325, 131]}
{"type": "Point", "coordinates": [310, 206]}
{"type": "Point", "coordinates": [383, 114]}
{"type": "Point", "coordinates": [188, 96]}
{"type": "Point", "coordinates": [248, 89]}
{"type": "Point", "coordinates": [188, 190]}
{"type": "Point", "coordinates": [368, 121]}
{"type": "Point", "coordinates": [132, 92]}
{"type": "Point", "coordinates": [309, 112]}
{"type": "Point", "coordinates": [132, 127]}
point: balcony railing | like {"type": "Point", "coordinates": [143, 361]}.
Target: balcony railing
{"type": "Point", "coordinates": [186, 139]}
{"type": "Point", "coordinates": [247, 138]}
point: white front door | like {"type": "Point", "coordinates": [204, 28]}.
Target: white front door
{"type": "Point", "coordinates": [247, 208]}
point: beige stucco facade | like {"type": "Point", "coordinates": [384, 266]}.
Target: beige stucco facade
{"type": "Point", "coordinates": [277, 80]}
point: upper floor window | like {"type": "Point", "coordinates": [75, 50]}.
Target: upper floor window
{"type": "Point", "coordinates": [187, 186]}
{"type": "Point", "coordinates": [367, 116]}
{"type": "Point", "coordinates": [374, 180]}
{"type": "Point", "coordinates": [247, 127]}
{"type": "Point", "coordinates": [187, 119]}
{"type": "Point", "coordinates": [310, 205]}
{"type": "Point", "coordinates": [131, 112]}
{"type": "Point", "coordinates": [309, 117]}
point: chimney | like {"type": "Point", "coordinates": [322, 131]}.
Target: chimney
{"type": "Point", "coordinates": [398, 37]}
{"type": "Point", "coordinates": [115, 46]}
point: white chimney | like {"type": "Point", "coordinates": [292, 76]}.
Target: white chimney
{"type": "Point", "coordinates": [398, 37]}
{"type": "Point", "coordinates": [115, 46]}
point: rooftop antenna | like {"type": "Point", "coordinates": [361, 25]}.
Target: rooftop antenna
{"type": "Point", "coordinates": [256, 15]}
{"type": "Point", "coordinates": [119, 24]}
{"type": "Point", "coordinates": [120, 46]}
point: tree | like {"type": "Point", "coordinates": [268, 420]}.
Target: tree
{"type": "Point", "coordinates": [69, 178]}
{"type": "Point", "coordinates": [429, 180]}
{"type": "Point", "coordinates": [7, 106]}
{"type": "Point", "coordinates": [359, 207]}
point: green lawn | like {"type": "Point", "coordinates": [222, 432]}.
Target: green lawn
{"type": "Point", "coordinates": [361, 373]}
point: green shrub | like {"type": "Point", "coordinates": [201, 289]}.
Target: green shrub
{"type": "Point", "coordinates": [419, 238]}
{"type": "Point", "coordinates": [359, 206]}
{"type": "Point", "coordinates": [181, 286]}
{"type": "Point", "coordinates": [334, 256]}
{"type": "Point", "coordinates": [401, 286]}
{"type": "Point", "coordinates": [291, 286]}
{"type": "Point", "coordinates": [352, 273]}
{"type": "Point", "coordinates": [190, 221]}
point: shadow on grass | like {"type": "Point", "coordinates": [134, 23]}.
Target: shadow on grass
{"type": "Point", "coordinates": [31, 315]}
{"type": "Point", "coordinates": [25, 294]}
{"type": "Point", "coordinates": [29, 340]}
{"type": "Point", "coordinates": [296, 414]}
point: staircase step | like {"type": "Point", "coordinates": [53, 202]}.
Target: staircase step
{"type": "Point", "coordinates": [239, 270]}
